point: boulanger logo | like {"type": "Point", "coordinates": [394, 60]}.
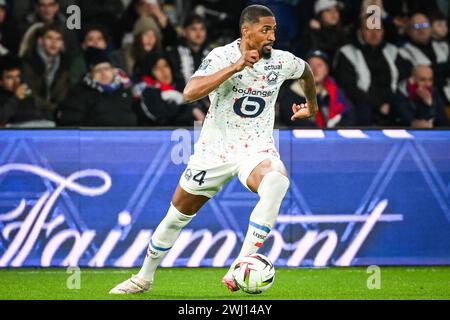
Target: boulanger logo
{"type": "Point", "coordinates": [253, 92]}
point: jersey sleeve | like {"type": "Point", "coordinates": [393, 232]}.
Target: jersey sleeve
{"type": "Point", "coordinates": [211, 64]}
{"type": "Point", "coordinates": [295, 67]}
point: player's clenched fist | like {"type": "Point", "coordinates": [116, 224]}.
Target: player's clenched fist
{"type": "Point", "coordinates": [248, 59]}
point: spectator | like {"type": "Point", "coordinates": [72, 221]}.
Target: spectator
{"type": "Point", "coordinates": [192, 49]}
{"type": "Point", "coordinates": [103, 98]}
{"type": "Point", "coordinates": [17, 106]}
{"type": "Point", "coordinates": [46, 67]}
{"type": "Point", "coordinates": [334, 109]}
{"type": "Point", "coordinates": [46, 12]}
{"type": "Point", "coordinates": [95, 37]}
{"type": "Point", "coordinates": [417, 103]}
{"type": "Point", "coordinates": [144, 8]}
{"type": "Point", "coordinates": [422, 49]}
{"type": "Point", "coordinates": [325, 31]}
{"type": "Point", "coordinates": [23, 7]}
{"type": "Point", "coordinates": [160, 102]}
{"type": "Point", "coordinates": [400, 12]}
{"type": "Point", "coordinates": [147, 38]}
{"type": "Point", "coordinates": [368, 71]}
{"type": "Point", "coordinates": [3, 49]}
{"type": "Point", "coordinates": [8, 34]}
{"type": "Point", "coordinates": [439, 27]}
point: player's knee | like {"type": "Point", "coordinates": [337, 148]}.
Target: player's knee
{"type": "Point", "coordinates": [188, 209]}
{"type": "Point", "coordinates": [278, 165]}
{"type": "Point", "coordinates": [274, 184]}
{"type": "Point", "coordinates": [187, 203]}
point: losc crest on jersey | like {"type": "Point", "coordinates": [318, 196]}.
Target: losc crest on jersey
{"type": "Point", "coordinates": [272, 77]}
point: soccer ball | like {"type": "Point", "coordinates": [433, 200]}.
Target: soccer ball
{"type": "Point", "coordinates": [254, 273]}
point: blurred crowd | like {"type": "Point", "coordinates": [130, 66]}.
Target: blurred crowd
{"type": "Point", "coordinates": [376, 64]}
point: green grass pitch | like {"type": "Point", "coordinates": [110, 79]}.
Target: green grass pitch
{"type": "Point", "coordinates": [204, 283]}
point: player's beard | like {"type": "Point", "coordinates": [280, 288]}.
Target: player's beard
{"type": "Point", "coordinates": [265, 54]}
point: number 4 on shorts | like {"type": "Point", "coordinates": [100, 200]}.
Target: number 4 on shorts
{"type": "Point", "coordinates": [200, 177]}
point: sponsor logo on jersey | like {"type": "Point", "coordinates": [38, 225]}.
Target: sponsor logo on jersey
{"type": "Point", "coordinates": [253, 92]}
{"type": "Point", "coordinates": [273, 67]}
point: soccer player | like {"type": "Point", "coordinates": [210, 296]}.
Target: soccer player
{"type": "Point", "coordinates": [242, 80]}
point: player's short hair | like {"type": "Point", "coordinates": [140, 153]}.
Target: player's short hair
{"type": "Point", "coordinates": [251, 14]}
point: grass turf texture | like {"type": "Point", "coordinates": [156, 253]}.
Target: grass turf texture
{"type": "Point", "coordinates": [204, 283]}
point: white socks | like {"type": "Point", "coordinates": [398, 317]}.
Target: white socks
{"type": "Point", "coordinates": [271, 190]}
{"type": "Point", "coordinates": [162, 240]}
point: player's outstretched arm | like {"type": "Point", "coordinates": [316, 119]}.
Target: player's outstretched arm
{"type": "Point", "coordinates": [310, 108]}
{"type": "Point", "coordinates": [199, 87]}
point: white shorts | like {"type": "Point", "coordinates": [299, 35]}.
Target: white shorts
{"type": "Point", "coordinates": [206, 180]}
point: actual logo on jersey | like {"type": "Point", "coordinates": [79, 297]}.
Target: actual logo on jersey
{"type": "Point", "coordinates": [273, 67]}
{"type": "Point", "coordinates": [204, 64]}
{"type": "Point", "coordinates": [272, 77]}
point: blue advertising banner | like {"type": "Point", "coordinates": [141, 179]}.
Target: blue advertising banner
{"type": "Point", "coordinates": [93, 198]}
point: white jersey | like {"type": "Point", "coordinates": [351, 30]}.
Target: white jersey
{"type": "Point", "coordinates": [241, 117]}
